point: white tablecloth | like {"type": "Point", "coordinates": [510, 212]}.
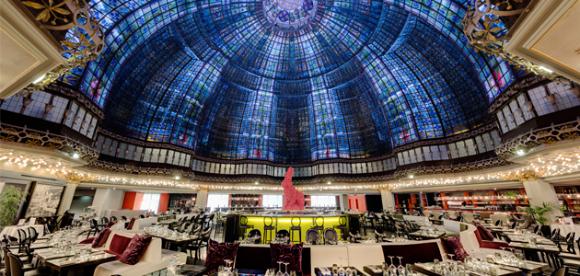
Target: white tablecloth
{"type": "Point", "coordinates": [13, 230]}
{"type": "Point", "coordinates": [140, 224]}
{"type": "Point", "coordinates": [128, 213]}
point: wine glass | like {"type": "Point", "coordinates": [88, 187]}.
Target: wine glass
{"type": "Point", "coordinates": [286, 269]}
{"type": "Point", "coordinates": [450, 257]}
{"type": "Point", "coordinates": [400, 268]}
{"type": "Point", "coordinates": [392, 267]}
{"type": "Point", "coordinates": [229, 266]}
{"type": "Point", "coordinates": [279, 273]}
{"type": "Point", "coordinates": [385, 269]}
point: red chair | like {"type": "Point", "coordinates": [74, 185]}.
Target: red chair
{"type": "Point", "coordinates": [493, 244]}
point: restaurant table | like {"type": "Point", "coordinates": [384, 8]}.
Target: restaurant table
{"type": "Point", "coordinates": [427, 234]}
{"type": "Point", "coordinates": [327, 271]}
{"type": "Point", "coordinates": [525, 239]}
{"type": "Point", "coordinates": [377, 270]}
{"type": "Point", "coordinates": [528, 267]}
{"type": "Point", "coordinates": [41, 244]}
{"type": "Point", "coordinates": [63, 262]}
{"type": "Point", "coordinates": [168, 241]}
{"type": "Point", "coordinates": [538, 252]}
{"type": "Point", "coordinates": [167, 222]}
{"type": "Point", "coordinates": [537, 247]}
{"type": "Point", "coordinates": [427, 269]}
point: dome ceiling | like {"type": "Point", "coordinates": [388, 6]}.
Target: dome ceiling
{"type": "Point", "coordinates": [288, 81]}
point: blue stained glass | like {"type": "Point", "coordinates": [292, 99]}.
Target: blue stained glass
{"type": "Point", "coordinates": [341, 79]}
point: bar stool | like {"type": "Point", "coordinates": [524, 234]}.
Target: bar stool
{"type": "Point", "coordinates": [342, 227]}
{"type": "Point", "coordinates": [318, 224]}
{"type": "Point", "coordinates": [295, 228]}
{"type": "Point", "coordinates": [269, 229]}
{"type": "Point", "coordinates": [244, 226]}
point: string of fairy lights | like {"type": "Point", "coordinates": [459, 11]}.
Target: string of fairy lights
{"type": "Point", "coordinates": [548, 165]}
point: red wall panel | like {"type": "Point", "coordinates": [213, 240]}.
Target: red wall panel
{"type": "Point", "coordinates": [129, 200]}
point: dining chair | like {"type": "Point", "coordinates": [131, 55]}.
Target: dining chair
{"type": "Point", "coordinates": [269, 229]}
{"type": "Point", "coordinates": [295, 229]}
{"type": "Point", "coordinates": [563, 271]}
{"type": "Point", "coordinates": [312, 236]}
{"type": "Point", "coordinates": [17, 267]}
{"type": "Point", "coordinates": [244, 226]}
{"type": "Point", "coordinates": [283, 234]}
{"type": "Point", "coordinates": [256, 235]}
{"type": "Point", "coordinates": [32, 234]}
{"type": "Point", "coordinates": [330, 236]}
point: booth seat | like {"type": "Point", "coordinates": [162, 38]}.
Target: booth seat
{"type": "Point", "coordinates": [154, 258]}
{"type": "Point", "coordinates": [491, 244]}
{"type": "Point", "coordinates": [257, 257]}
{"type": "Point", "coordinates": [475, 246]}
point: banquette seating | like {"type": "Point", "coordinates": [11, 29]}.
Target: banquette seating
{"type": "Point", "coordinates": [257, 257]}
{"type": "Point", "coordinates": [154, 259]}
{"type": "Point", "coordinates": [475, 245]}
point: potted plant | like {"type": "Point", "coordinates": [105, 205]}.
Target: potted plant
{"type": "Point", "coordinates": [9, 203]}
{"type": "Point", "coordinates": [538, 213]}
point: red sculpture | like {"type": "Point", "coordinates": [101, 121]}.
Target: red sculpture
{"type": "Point", "coordinates": [293, 199]}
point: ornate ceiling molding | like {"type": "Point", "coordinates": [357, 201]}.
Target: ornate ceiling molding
{"type": "Point", "coordinates": [488, 25]}
{"type": "Point", "coordinates": [547, 135]}
{"type": "Point", "coordinates": [46, 139]}
{"type": "Point", "coordinates": [78, 33]}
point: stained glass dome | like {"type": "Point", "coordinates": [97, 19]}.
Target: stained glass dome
{"type": "Point", "coordinates": [288, 81]}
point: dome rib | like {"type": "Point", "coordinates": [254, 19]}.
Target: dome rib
{"type": "Point", "coordinates": [356, 81]}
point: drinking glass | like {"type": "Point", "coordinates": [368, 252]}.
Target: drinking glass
{"type": "Point", "coordinates": [385, 269]}
{"type": "Point", "coordinates": [286, 269]}
{"type": "Point", "coordinates": [279, 273]}
{"type": "Point", "coordinates": [392, 267]}
{"type": "Point", "coordinates": [401, 268]}
{"type": "Point", "coordinates": [450, 257]}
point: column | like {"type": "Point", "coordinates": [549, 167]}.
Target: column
{"type": "Point", "coordinates": [388, 200]}
{"type": "Point", "coordinates": [67, 197]}
{"type": "Point", "coordinates": [201, 199]}
{"type": "Point", "coordinates": [540, 192]}
{"type": "Point", "coordinates": [107, 199]}
{"type": "Point", "coordinates": [343, 202]}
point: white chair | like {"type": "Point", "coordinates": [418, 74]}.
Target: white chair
{"type": "Point", "coordinates": [471, 245]}
{"type": "Point", "coordinates": [154, 259]}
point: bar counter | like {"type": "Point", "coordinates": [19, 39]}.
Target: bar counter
{"type": "Point", "coordinates": [237, 224]}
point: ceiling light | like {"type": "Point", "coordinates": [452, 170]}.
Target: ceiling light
{"type": "Point", "coordinates": [177, 177]}
{"type": "Point", "coordinates": [75, 155]}
{"type": "Point", "coordinates": [520, 152]}
{"type": "Point", "coordinates": [39, 79]}
{"type": "Point", "coordinates": [411, 176]}
{"type": "Point", "coordinates": [328, 182]}
{"type": "Point", "coordinates": [256, 183]}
